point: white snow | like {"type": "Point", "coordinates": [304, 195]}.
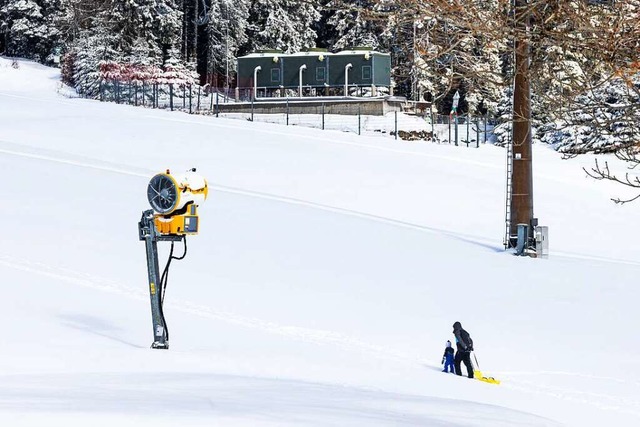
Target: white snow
{"type": "Point", "coordinates": [323, 284]}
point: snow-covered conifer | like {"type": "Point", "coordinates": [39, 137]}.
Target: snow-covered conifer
{"type": "Point", "coordinates": [28, 28]}
{"type": "Point", "coordinates": [353, 26]}
{"type": "Point", "coordinates": [226, 29]}
{"type": "Point", "coordinates": [281, 24]}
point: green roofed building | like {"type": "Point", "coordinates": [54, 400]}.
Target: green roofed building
{"type": "Point", "coordinates": [270, 74]}
{"type": "Point", "coordinates": [368, 68]}
{"type": "Point", "coordinates": [318, 69]}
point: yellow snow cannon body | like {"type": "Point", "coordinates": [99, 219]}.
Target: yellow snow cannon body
{"type": "Point", "coordinates": [175, 200]}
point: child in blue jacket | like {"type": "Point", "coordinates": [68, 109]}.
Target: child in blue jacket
{"type": "Point", "coordinates": [447, 358]}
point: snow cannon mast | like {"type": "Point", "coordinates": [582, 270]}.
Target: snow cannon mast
{"type": "Point", "coordinates": [174, 200]}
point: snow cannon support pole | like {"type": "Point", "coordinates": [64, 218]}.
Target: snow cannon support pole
{"type": "Point", "coordinates": [149, 233]}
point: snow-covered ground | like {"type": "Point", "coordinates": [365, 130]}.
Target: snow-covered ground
{"type": "Point", "coordinates": [383, 125]}
{"type": "Point", "coordinates": [321, 288]}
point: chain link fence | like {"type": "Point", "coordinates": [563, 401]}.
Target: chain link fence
{"type": "Point", "coordinates": [404, 125]}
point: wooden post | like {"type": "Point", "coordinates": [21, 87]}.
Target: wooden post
{"type": "Point", "coordinates": [522, 180]}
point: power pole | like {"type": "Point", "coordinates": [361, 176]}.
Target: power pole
{"type": "Point", "coordinates": [522, 178]}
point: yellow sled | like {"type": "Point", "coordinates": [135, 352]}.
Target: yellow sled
{"type": "Point", "coordinates": [478, 375]}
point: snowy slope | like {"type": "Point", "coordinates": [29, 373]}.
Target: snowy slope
{"type": "Point", "coordinates": [321, 289]}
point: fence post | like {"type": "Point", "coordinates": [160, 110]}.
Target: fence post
{"type": "Point", "coordinates": [171, 96]}
{"type": "Point", "coordinates": [117, 91]}
{"type": "Point", "coordinates": [323, 116]}
{"type": "Point", "coordinates": [449, 121]}
{"type": "Point", "coordinates": [184, 96]}
{"type": "Point", "coordinates": [190, 98]}
{"type": "Point", "coordinates": [155, 95]}
{"type": "Point", "coordinates": [359, 122]}
{"type": "Point", "coordinates": [287, 111]}
{"type": "Point", "coordinates": [485, 128]}
{"type": "Point", "coordinates": [468, 120]}
{"type": "Point", "coordinates": [477, 132]}
{"type": "Point", "coordinates": [135, 99]}
{"type": "Point", "coordinates": [217, 104]}
{"type": "Point", "coordinates": [198, 106]}
{"type": "Point", "coordinates": [456, 128]}
{"type": "Point", "coordinates": [396, 123]}
{"type": "Point", "coordinates": [100, 89]}
{"type": "Point", "coordinates": [433, 126]}
{"type": "Point", "coordinates": [251, 109]}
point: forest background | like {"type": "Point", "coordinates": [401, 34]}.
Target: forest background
{"type": "Point", "coordinates": [584, 55]}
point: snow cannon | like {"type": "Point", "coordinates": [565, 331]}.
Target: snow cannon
{"type": "Point", "coordinates": [175, 200]}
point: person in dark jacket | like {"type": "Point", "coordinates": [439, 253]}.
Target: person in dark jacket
{"type": "Point", "coordinates": [464, 345]}
{"type": "Point", "coordinates": [447, 358]}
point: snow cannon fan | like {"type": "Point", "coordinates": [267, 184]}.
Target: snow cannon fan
{"type": "Point", "coordinates": [174, 200]}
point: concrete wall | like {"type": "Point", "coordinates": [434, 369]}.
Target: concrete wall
{"type": "Point", "coordinates": [373, 107]}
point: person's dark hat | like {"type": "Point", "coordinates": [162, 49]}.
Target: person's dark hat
{"type": "Point", "coordinates": [457, 325]}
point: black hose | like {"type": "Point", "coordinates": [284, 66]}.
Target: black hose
{"type": "Point", "coordinates": [163, 283]}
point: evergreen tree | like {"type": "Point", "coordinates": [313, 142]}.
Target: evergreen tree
{"type": "Point", "coordinates": [136, 34]}
{"type": "Point", "coordinates": [605, 119]}
{"type": "Point", "coordinates": [281, 24]}
{"type": "Point", "coordinates": [442, 57]}
{"type": "Point", "coordinates": [353, 25]}
{"type": "Point", "coordinates": [29, 28]}
{"type": "Point", "coordinates": [81, 63]}
{"type": "Point", "coordinates": [326, 34]}
{"type": "Point", "coordinates": [226, 33]}
{"type": "Point", "coordinates": [151, 24]}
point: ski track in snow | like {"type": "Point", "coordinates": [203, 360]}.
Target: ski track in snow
{"type": "Point", "coordinates": [86, 162]}
{"type": "Point", "coordinates": [140, 172]}
{"type": "Point", "coordinates": [324, 337]}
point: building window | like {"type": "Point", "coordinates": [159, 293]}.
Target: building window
{"type": "Point", "coordinates": [320, 74]}
{"type": "Point", "coordinates": [275, 75]}
{"type": "Point", "coordinates": [366, 72]}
